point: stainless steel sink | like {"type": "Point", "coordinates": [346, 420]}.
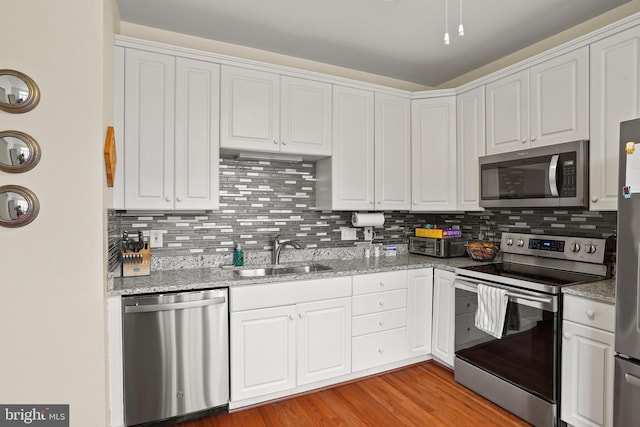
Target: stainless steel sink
{"type": "Point", "coordinates": [277, 270]}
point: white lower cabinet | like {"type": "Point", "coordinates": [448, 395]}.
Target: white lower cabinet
{"type": "Point", "coordinates": [292, 337]}
{"type": "Point", "coordinates": [587, 362]}
{"type": "Point", "coordinates": [304, 336]}
{"type": "Point", "coordinates": [443, 316]}
{"type": "Point", "coordinates": [263, 351]}
{"type": "Point", "coordinates": [419, 311]}
{"type": "Point", "coordinates": [324, 340]}
{"type": "Point", "coordinates": [380, 316]}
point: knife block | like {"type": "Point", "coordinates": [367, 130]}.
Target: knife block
{"type": "Point", "coordinates": [136, 263]}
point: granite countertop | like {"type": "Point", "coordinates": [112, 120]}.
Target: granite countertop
{"type": "Point", "coordinates": [602, 290]}
{"type": "Point", "coordinates": [218, 277]}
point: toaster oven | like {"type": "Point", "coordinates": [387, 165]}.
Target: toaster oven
{"type": "Point", "coordinates": [441, 248]}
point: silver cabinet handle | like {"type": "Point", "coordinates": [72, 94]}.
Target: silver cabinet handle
{"type": "Point", "coordinates": [553, 167]}
{"type": "Point", "coordinates": [632, 379]}
{"type": "Point", "coordinates": [173, 305]}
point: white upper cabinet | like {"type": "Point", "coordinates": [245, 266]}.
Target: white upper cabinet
{"type": "Point", "coordinates": [543, 105]}
{"type": "Point", "coordinates": [370, 165]}
{"type": "Point", "coordinates": [197, 130]}
{"type": "Point", "coordinates": [508, 113]}
{"type": "Point", "coordinates": [346, 180]}
{"type": "Point", "coordinates": [433, 153]}
{"type": "Point", "coordinates": [305, 116]}
{"type": "Point", "coordinates": [266, 112]}
{"type": "Point", "coordinates": [392, 152]}
{"type": "Point", "coordinates": [615, 97]}
{"type": "Point", "coordinates": [171, 133]}
{"type": "Point", "coordinates": [470, 146]}
{"type": "Point", "coordinates": [560, 99]}
{"type": "Point", "coordinates": [250, 110]}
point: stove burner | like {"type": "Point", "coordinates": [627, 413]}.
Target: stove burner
{"type": "Point", "coordinates": [530, 273]}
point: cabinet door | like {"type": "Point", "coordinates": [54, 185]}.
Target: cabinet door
{"type": "Point", "coordinates": [560, 99]}
{"type": "Point", "coordinates": [324, 340]}
{"type": "Point", "coordinates": [149, 130]}
{"type": "Point", "coordinates": [615, 97]}
{"type": "Point", "coordinates": [352, 178]}
{"type": "Point", "coordinates": [392, 152]}
{"type": "Point", "coordinates": [249, 110]}
{"type": "Point", "coordinates": [443, 316]}
{"type": "Point", "coordinates": [263, 351]}
{"type": "Point", "coordinates": [305, 116]}
{"type": "Point", "coordinates": [587, 376]}
{"type": "Point", "coordinates": [197, 130]}
{"type": "Point", "coordinates": [419, 312]}
{"type": "Point", "coordinates": [471, 139]}
{"type": "Point", "coordinates": [433, 152]}
{"type": "Point", "coordinates": [508, 113]}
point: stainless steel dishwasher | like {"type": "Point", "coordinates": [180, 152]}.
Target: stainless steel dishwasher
{"type": "Point", "coordinates": [176, 354]}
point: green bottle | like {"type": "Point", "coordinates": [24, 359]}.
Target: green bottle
{"type": "Point", "coordinates": [238, 256]}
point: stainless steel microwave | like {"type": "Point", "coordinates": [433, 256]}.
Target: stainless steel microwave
{"type": "Point", "coordinates": [555, 175]}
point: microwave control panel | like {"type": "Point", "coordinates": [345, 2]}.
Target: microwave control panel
{"type": "Point", "coordinates": [568, 178]}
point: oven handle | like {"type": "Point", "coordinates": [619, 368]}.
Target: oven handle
{"type": "Point", "coordinates": [473, 287]}
{"type": "Point", "coordinates": [553, 173]}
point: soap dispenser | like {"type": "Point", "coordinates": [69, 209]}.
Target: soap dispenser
{"type": "Point", "coordinates": [238, 256]}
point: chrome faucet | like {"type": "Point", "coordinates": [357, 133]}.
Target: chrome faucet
{"type": "Point", "coordinates": [278, 245]}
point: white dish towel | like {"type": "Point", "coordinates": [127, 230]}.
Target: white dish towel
{"type": "Point", "coordinates": [492, 309]}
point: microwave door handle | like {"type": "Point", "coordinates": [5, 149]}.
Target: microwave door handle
{"type": "Point", "coordinates": [553, 169]}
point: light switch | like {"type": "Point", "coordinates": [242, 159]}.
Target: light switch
{"type": "Point", "coordinates": [155, 238]}
{"type": "Point", "coordinates": [348, 233]}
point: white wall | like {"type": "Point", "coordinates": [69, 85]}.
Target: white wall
{"type": "Point", "coordinates": [52, 287]}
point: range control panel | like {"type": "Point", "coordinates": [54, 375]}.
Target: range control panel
{"type": "Point", "coordinates": [584, 249]}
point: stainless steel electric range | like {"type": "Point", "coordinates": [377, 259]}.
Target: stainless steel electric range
{"type": "Point", "coordinates": [520, 371]}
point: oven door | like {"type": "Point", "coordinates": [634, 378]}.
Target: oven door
{"type": "Point", "coordinates": [527, 355]}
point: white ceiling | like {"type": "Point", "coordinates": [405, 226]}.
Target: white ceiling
{"type": "Point", "coordinates": [402, 39]}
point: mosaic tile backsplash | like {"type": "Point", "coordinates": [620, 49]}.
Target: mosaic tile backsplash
{"type": "Point", "coordinates": [259, 199]}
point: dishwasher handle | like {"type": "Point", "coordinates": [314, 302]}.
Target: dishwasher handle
{"type": "Point", "coordinates": [174, 305]}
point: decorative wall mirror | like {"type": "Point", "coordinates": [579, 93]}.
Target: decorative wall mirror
{"type": "Point", "coordinates": [18, 92]}
{"type": "Point", "coordinates": [18, 206]}
{"type": "Point", "coordinates": [18, 152]}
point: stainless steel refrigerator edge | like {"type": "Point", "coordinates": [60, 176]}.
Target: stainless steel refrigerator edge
{"type": "Point", "coordinates": [176, 354]}
{"type": "Point", "coordinates": [627, 335]}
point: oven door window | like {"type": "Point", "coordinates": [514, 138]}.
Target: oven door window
{"type": "Point", "coordinates": [516, 179]}
{"type": "Point", "coordinates": [525, 356]}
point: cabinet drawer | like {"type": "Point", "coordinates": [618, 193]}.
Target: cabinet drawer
{"type": "Point", "coordinates": [467, 304]}
{"type": "Point", "coordinates": [377, 282]}
{"type": "Point", "coordinates": [589, 312]}
{"type": "Point", "coordinates": [379, 348]}
{"type": "Point", "coordinates": [370, 323]}
{"type": "Point", "coordinates": [381, 301]}
{"type": "Point", "coordinates": [286, 293]}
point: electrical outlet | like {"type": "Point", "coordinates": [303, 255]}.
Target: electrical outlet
{"type": "Point", "coordinates": [348, 233]}
{"type": "Point", "coordinates": [368, 234]}
{"type": "Point", "coordinates": [155, 238]}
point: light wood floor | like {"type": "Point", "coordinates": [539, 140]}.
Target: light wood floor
{"type": "Point", "coordinates": [420, 395]}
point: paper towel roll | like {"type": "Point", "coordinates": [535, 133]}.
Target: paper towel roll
{"type": "Point", "coordinates": [367, 219]}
